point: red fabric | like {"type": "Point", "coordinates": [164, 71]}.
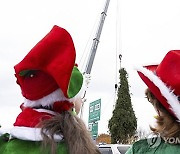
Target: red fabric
{"type": "Point", "coordinates": [54, 55]}
{"type": "Point", "coordinates": [169, 72]}
{"type": "Point", "coordinates": [62, 106]}
{"type": "Point", "coordinates": [31, 118]}
{"type": "Point", "coordinates": [33, 88]}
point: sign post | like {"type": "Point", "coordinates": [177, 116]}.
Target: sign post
{"type": "Point", "coordinates": [94, 116]}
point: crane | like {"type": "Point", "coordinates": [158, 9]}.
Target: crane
{"type": "Point", "coordinates": [96, 39]}
{"type": "Point", "coordinates": [93, 50]}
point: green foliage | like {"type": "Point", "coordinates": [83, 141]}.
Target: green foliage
{"type": "Point", "coordinates": [123, 124]}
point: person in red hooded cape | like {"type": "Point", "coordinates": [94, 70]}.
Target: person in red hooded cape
{"type": "Point", "coordinates": [163, 81]}
{"type": "Point", "coordinates": [50, 83]}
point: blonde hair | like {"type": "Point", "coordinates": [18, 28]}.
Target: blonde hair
{"type": "Point", "coordinates": [76, 136]}
{"type": "Point", "coordinates": [167, 125]}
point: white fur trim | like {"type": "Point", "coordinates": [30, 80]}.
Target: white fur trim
{"type": "Point", "coordinates": [47, 111]}
{"type": "Point", "coordinates": [171, 98]}
{"type": "Point", "coordinates": [3, 131]}
{"type": "Point", "coordinates": [48, 100]}
{"type": "Point", "coordinates": [30, 134]}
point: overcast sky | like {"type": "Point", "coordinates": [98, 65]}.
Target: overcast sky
{"type": "Point", "coordinates": [143, 31]}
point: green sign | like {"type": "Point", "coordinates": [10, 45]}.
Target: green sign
{"type": "Point", "coordinates": [93, 128]}
{"type": "Point", "coordinates": [94, 111]}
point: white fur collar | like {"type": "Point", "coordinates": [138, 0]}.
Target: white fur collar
{"type": "Point", "coordinates": [48, 100]}
{"type": "Point", "coordinates": [47, 111]}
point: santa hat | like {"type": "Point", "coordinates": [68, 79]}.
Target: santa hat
{"type": "Point", "coordinates": [53, 59]}
{"type": "Point", "coordinates": [163, 80]}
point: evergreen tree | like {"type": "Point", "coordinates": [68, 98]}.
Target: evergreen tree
{"type": "Point", "coordinates": [123, 124]}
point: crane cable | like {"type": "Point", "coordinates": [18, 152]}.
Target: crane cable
{"type": "Point", "coordinates": [87, 78]}
{"type": "Point", "coordinates": [82, 64]}
{"type": "Point", "coordinates": [117, 49]}
{"type": "Point", "coordinates": [85, 54]}
{"type": "Point", "coordinates": [113, 97]}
